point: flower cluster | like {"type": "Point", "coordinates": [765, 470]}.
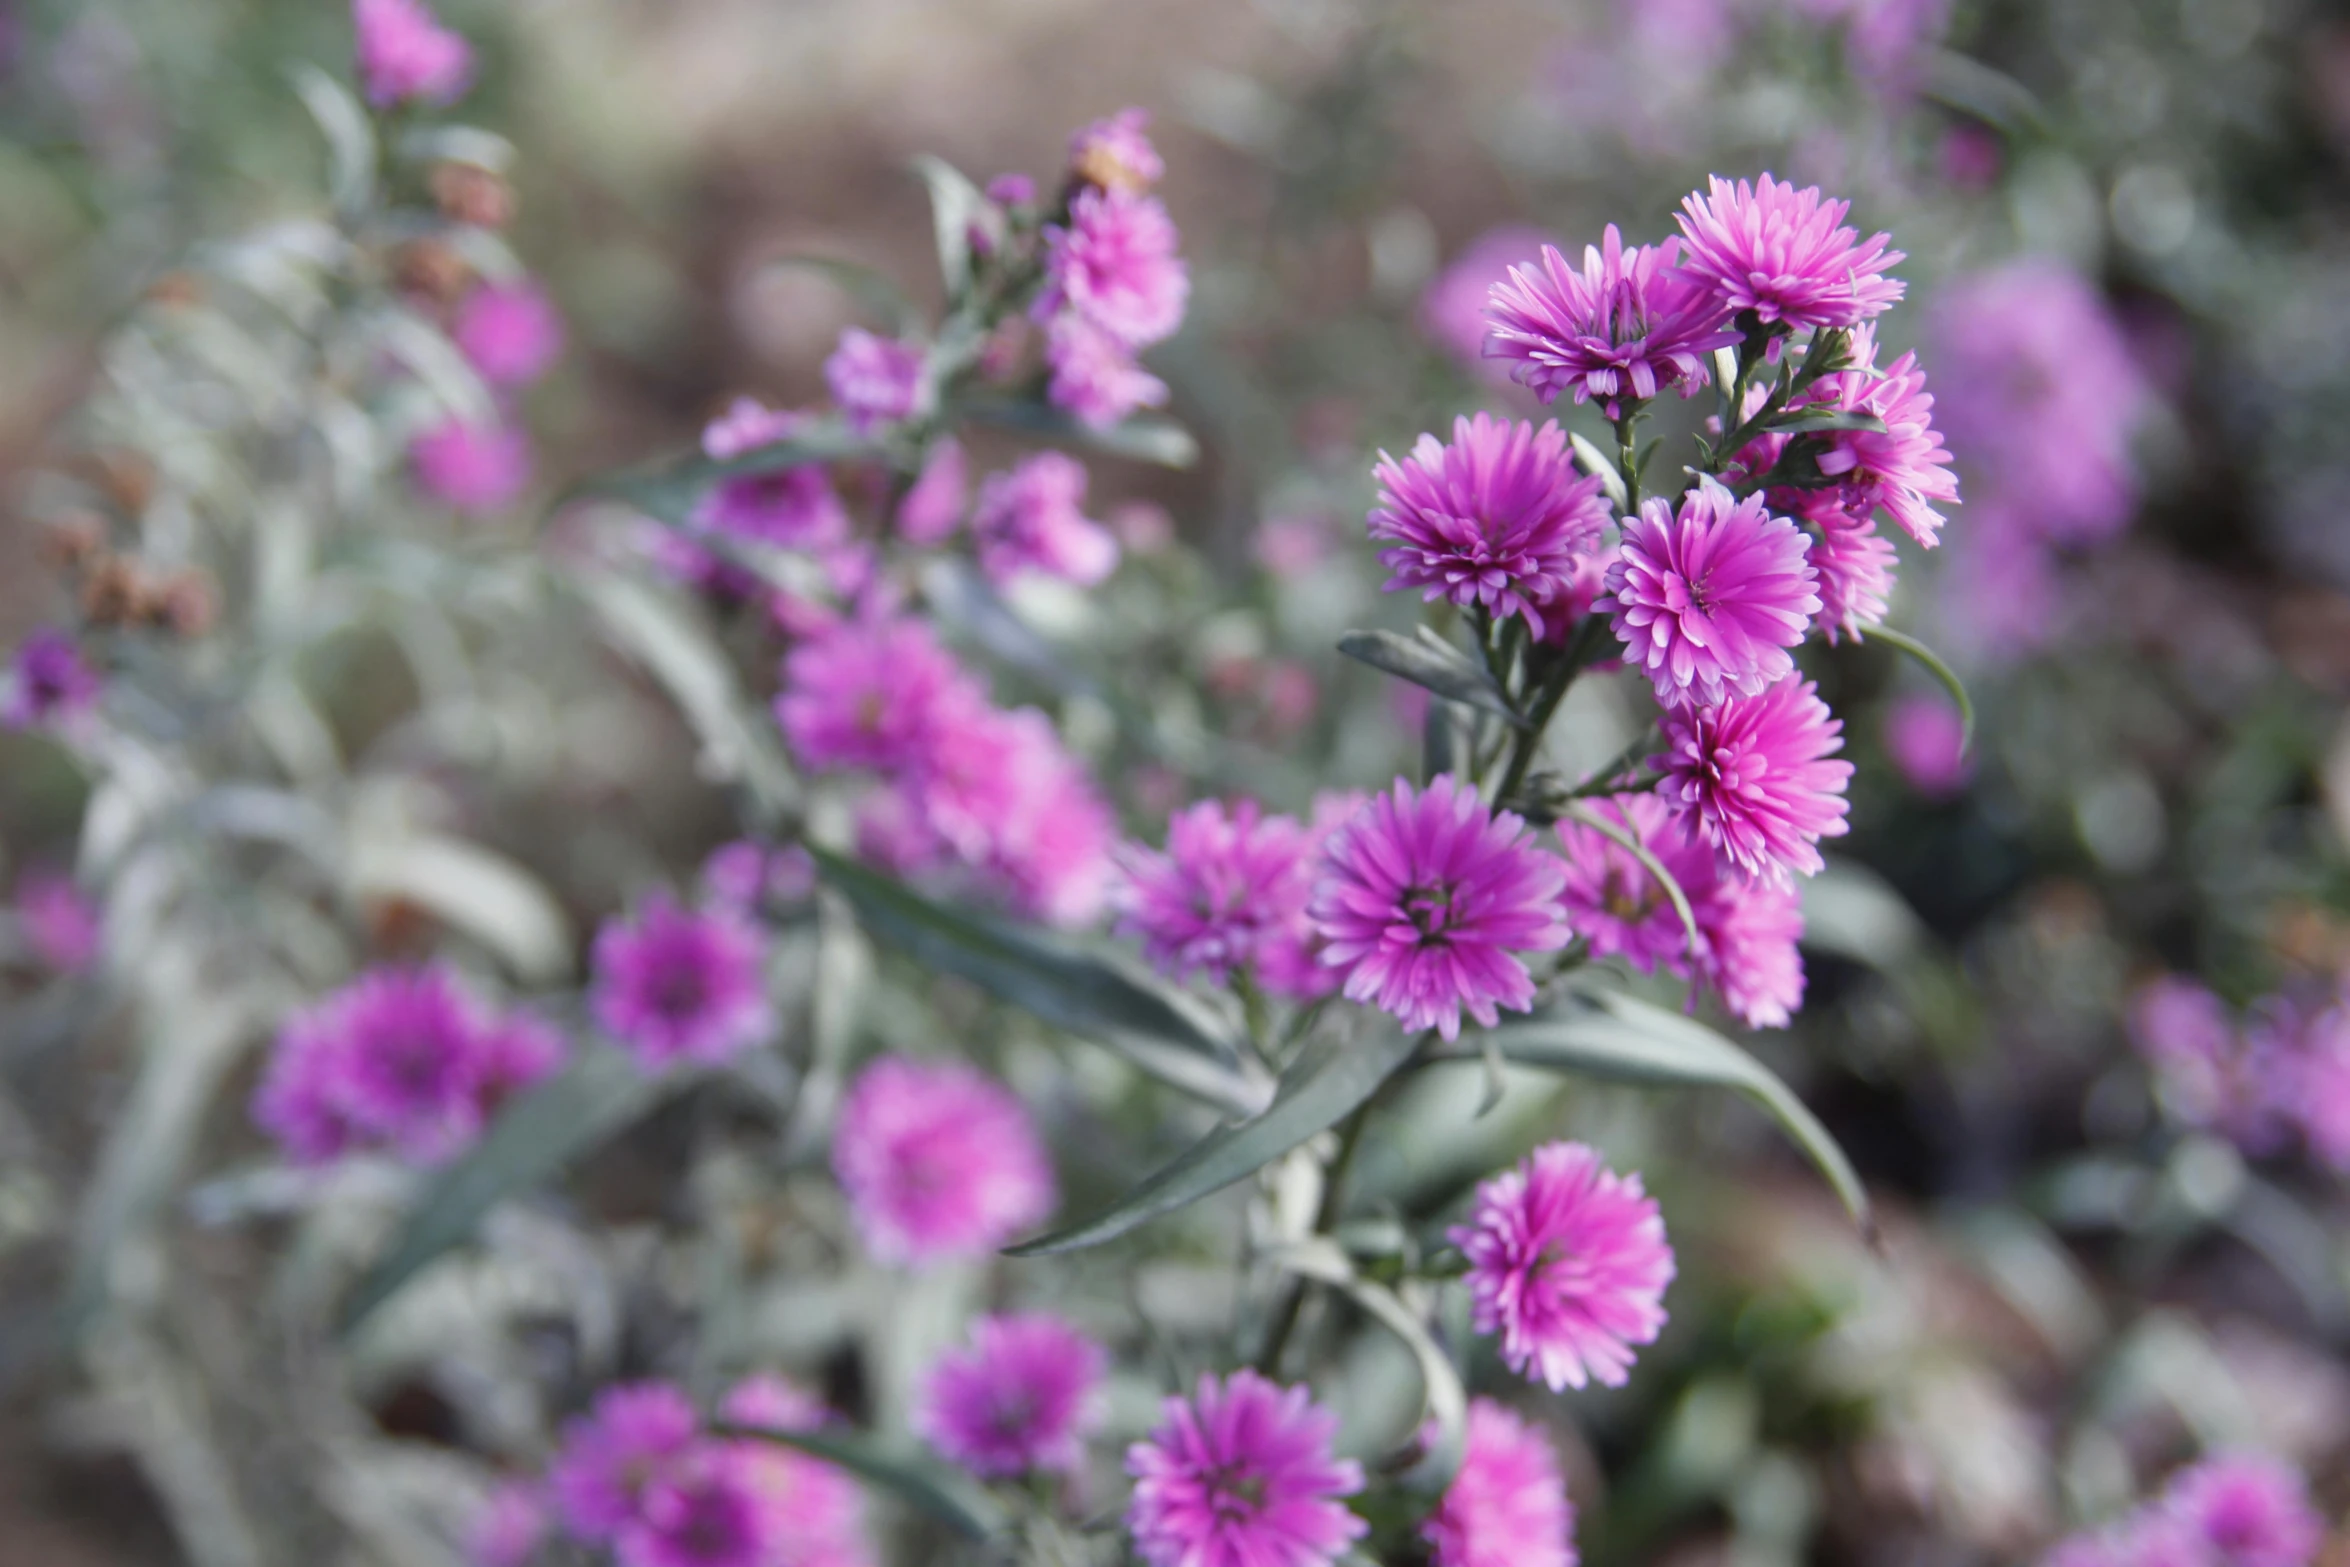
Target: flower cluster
{"type": "Point", "coordinates": [1113, 282]}
{"type": "Point", "coordinates": [2282, 1069]}
{"type": "Point", "coordinates": [408, 1061]}
{"type": "Point", "coordinates": [2235, 1510]}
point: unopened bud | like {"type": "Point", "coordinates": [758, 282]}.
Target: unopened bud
{"type": "Point", "coordinates": [469, 193]}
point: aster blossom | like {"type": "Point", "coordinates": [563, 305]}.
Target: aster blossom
{"type": "Point", "coordinates": [1496, 519]}
{"type": "Point", "coordinates": [933, 507]}
{"type": "Point", "coordinates": [1094, 375]}
{"type": "Point", "coordinates": [58, 921]}
{"type": "Point", "coordinates": [610, 1454]}
{"type": "Point", "coordinates": [1852, 566]}
{"type": "Point", "coordinates": [815, 1510]}
{"type": "Point", "coordinates": [510, 332]}
{"type": "Point", "coordinates": [1231, 882]}
{"type": "Point", "coordinates": [1783, 254]}
{"type": "Point", "coordinates": [677, 984]}
{"type": "Point", "coordinates": [1625, 327]}
{"type": "Point", "coordinates": [1021, 1396]}
{"type": "Point", "coordinates": [510, 1527]}
{"type": "Point", "coordinates": [1507, 1507]}
{"type": "Point", "coordinates": [405, 53]}
{"type": "Point", "coordinates": [869, 693]}
{"type": "Point", "coordinates": [49, 681]}
{"type": "Point", "coordinates": [703, 1509]}
{"type": "Point", "coordinates": [1568, 1262]}
{"type": "Point", "coordinates": [791, 506]}
{"type": "Point", "coordinates": [2246, 1510]}
{"type": "Point", "coordinates": [1902, 468]}
{"type": "Point", "coordinates": [1114, 263]}
{"type": "Point", "coordinates": [1425, 901]}
{"type": "Point", "coordinates": [1241, 1475]}
{"type": "Point", "coordinates": [1032, 519]}
{"type": "Point", "coordinates": [1757, 779]}
{"type": "Point", "coordinates": [1707, 599]}
{"type": "Point", "coordinates": [1115, 153]}
{"type": "Point", "coordinates": [875, 380]}
{"type": "Point", "coordinates": [938, 1162]}
{"type": "Point", "coordinates": [480, 468]}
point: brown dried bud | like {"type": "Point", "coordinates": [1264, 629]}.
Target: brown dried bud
{"type": "Point", "coordinates": [115, 593]}
{"type": "Point", "coordinates": [1099, 164]}
{"type": "Point", "coordinates": [432, 268]}
{"type": "Point", "coordinates": [176, 290]}
{"type": "Point", "coordinates": [186, 602]}
{"type": "Point", "coordinates": [469, 193]}
{"type": "Point", "coordinates": [75, 539]}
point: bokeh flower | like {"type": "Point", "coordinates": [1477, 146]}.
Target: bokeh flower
{"type": "Point", "coordinates": [477, 468]}
{"type": "Point", "coordinates": [2246, 1510]}
{"type": "Point", "coordinates": [405, 54]}
{"type": "Point", "coordinates": [48, 682]}
{"type": "Point", "coordinates": [1032, 519]}
{"type": "Point", "coordinates": [1624, 328]}
{"type": "Point", "coordinates": [938, 1161]}
{"type": "Point", "coordinates": [1021, 1396]}
{"type": "Point", "coordinates": [1926, 740]}
{"type": "Point", "coordinates": [511, 332]}
{"type": "Point", "coordinates": [59, 923]}
{"type": "Point", "coordinates": [1783, 254]}
{"type": "Point", "coordinates": [1094, 374]}
{"type": "Point", "coordinates": [702, 1509]}
{"type": "Point", "coordinates": [509, 1528]}
{"type": "Point", "coordinates": [1232, 882]}
{"type": "Point", "coordinates": [816, 1511]}
{"type": "Point", "coordinates": [1507, 1506]}
{"type": "Point", "coordinates": [1241, 1475]}
{"type": "Point", "coordinates": [676, 984]}
{"type": "Point", "coordinates": [1757, 778]}
{"type": "Point", "coordinates": [1115, 154]}
{"type": "Point", "coordinates": [1902, 468]}
{"type": "Point", "coordinates": [609, 1455]}
{"type": "Point", "coordinates": [869, 693]}
{"type": "Point", "coordinates": [792, 505]}
{"type": "Point", "coordinates": [933, 507]}
{"type": "Point", "coordinates": [1452, 307]}
{"type": "Point", "coordinates": [1114, 263]}
{"type": "Point", "coordinates": [1708, 599]}
{"type": "Point", "coordinates": [874, 380]}
{"type": "Point", "coordinates": [1852, 567]}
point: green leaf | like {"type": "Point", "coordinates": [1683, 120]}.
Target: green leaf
{"type": "Point", "coordinates": [671, 493]}
{"type": "Point", "coordinates": [1991, 95]}
{"type": "Point", "coordinates": [1161, 1030]}
{"type": "Point", "coordinates": [934, 1489]}
{"type": "Point", "coordinates": [1631, 844]}
{"type": "Point", "coordinates": [1144, 438]}
{"type": "Point", "coordinates": [955, 204]}
{"type": "Point", "coordinates": [350, 137]}
{"type": "Point", "coordinates": [871, 288]}
{"type": "Point", "coordinates": [1939, 670]}
{"type": "Point", "coordinates": [1611, 1035]}
{"type": "Point", "coordinates": [1431, 665]}
{"type": "Point", "coordinates": [1443, 1398]}
{"type": "Point", "coordinates": [1332, 1077]}
{"type": "Point", "coordinates": [1829, 419]}
{"type": "Point", "coordinates": [536, 1135]}
{"type": "Point", "coordinates": [1851, 911]}
{"type": "Point", "coordinates": [1601, 467]}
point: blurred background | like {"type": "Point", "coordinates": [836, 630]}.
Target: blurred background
{"type": "Point", "coordinates": [2128, 232]}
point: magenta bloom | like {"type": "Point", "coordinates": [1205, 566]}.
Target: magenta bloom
{"type": "Point", "coordinates": [2320, 1088]}
{"type": "Point", "coordinates": [1852, 567]}
{"type": "Point", "coordinates": [1241, 1475]}
{"type": "Point", "coordinates": [477, 468]}
{"type": "Point", "coordinates": [1756, 775]}
{"type": "Point", "coordinates": [50, 684]}
{"type": "Point", "coordinates": [510, 1527]}
{"type": "Point", "coordinates": [1781, 253]}
{"type": "Point", "coordinates": [510, 331]}
{"type": "Point", "coordinates": [2246, 1510]}
{"type": "Point", "coordinates": [815, 1511]}
{"type": "Point", "coordinates": [1425, 902]}
{"type": "Point", "coordinates": [1115, 154]}
{"type": "Point", "coordinates": [2186, 1034]}
{"type": "Point", "coordinates": [1032, 519]}
{"type": "Point", "coordinates": [1625, 327]}
{"type": "Point", "coordinates": [702, 1510]}
{"type": "Point", "coordinates": [875, 380]}
{"type": "Point", "coordinates": [1499, 518]}
{"type": "Point", "coordinates": [933, 507]}
{"type": "Point", "coordinates": [1903, 467]}
{"type": "Point", "coordinates": [58, 923]}
{"type": "Point", "coordinates": [1708, 601]}
{"type": "Point", "coordinates": [869, 694]}
{"type": "Point", "coordinates": [405, 53]}
{"type": "Point", "coordinates": [938, 1161]}
{"type": "Point", "coordinates": [636, 1431]}
{"type": "Point", "coordinates": [1094, 375]}
{"type": "Point", "coordinates": [1507, 1507]}
{"type": "Point", "coordinates": [1927, 741]}
{"type": "Point", "coordinates": [792, 507]}
{"type": "Point", "coordinates": [675, 984]}
{"type": "Point", "coordinates": [1232, 883]}
{"type": "Point", "coordinates": [1114, 263]}
{"type": "Point", "coordinates": [1751, 956]}
{"type": "Point", "coordinates": [1452, 307]}
{"type": "Point", "coordinates": [1022, 1396]}
{"type": "Point", "coordinates": [1568, 1263]}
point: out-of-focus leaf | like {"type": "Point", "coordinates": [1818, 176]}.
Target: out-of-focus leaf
{"type": "Point", "coordinates": [1329, 1080]}
{"type": "Point", "coordinates": [955, 204]}
{"type": "Point", "coordinates": [1611, 1035]}
{"type": "Point", "coordinates": [929, 1486]}
{"type": "Point", "coordinates": [672, 492]}
{"type": "Point", "coordinates": [536, 1135]}
{"type": "Point", "coordinates": [474, 889]}
{"type": "Point", "coordinates": [1831, 419]}
{"type": "Point", "coordinates": [436, 362]}
{"type": "Point", "coordinates": [868, 286]}
{"type": "Point", "coordinates": [1602, 467]}
{"type": "Point", "coordinates": [1851, 911]}
{"type": "Point", "coordinates": [1445, 1401]}
{"type": "Point", "coordinates": [1939, 670]}
{"type": "Point", "coordinates": [350, 140]}
{"type": "Point", "coordinates": [457, 144]}
{"type": "Point", "coordinates": [1968, 85]}
{"type": "Point", "coordinates": [1655, 867]}
{"type": "Point", "coordinates": [1159, 1029]}
{"type": "Point", "coordinates": [1434, 666]}
{"type": "Point", "coordinates": [1143, 438]}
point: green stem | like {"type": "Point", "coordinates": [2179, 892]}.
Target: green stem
{"type": "Point", "coordinates": [1350, 1137]}
{"type": "Point", "coordinates": [1628, 460]}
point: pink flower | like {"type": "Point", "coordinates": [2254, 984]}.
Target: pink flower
{"type": "Point", "coordinates": [996, 791]}
{"type": "Point", "coordinates": [478, 468]}
{"type": "Point", "coordinates": [1022, 1397]}
{"type": "Point", "coordinates": [1115, 154]}
{"type": "Point", "coordinates": [1292, 546]}
{"type": "Point", "coordinates": [510, 1527]}
{"type": "Point", "coordinates": [1755, 776]}
{"type": "Point", "coordinates": [1452, 308]}
{"type": "Point", "coordinates": [1499, 518]}
{"type": "Point", "coordinates": [1927, 741]}
{"type": "Point", "coordinates": [702, 1510]}
{"type": "Point", "coordinates": [1708, 601]}
{"type": "Point", "coordinates": [510, 331]}
{"type": "Point", "coordinates": [51, 683]}
{"type": "Point", "coordinates": [875, 380]}
{"type": "Point", "coordinates": [1232, 882]}
{"type": "Point", "coordinates": [1114, 263]}
{"type": "Point", "coordinates": [2246, 1510]}
{"type": "Point", "coordinates": [815, 1511]}
{"type": "Point", "coordinates": [1779, 252]}
{"type": "Point", "coordinates": [933, 507]}
{"type": "Point", "coordinates": [1507, 1507]}
{"type": "Point", "coordinates": [938, 1162]}
{"type": "Point", "coordinates": [599, 1476]}
{"type": "Point", "coordinates": [1425, 902]}
{"type": "Point", "coordinates": [1625, 327]}
{"type": "Point", "coordinates": [792, 506]}
{"type": "Point", "coordinates": [2320, 1086]}
{"type": "Point", "coordinates": [869, 694]}
{"type": "Point", "coordinates": [1030, 519]}
{"type": "Point", "coordinates": [673, 984]}
{"type": "Point", "coordinates": [1241, 1475]}
{"type": "Point", "coordinates": [2198, 1055]}
{"type": "Point", "coordinates": [1852, 567]}
{"type": "Point", "coordinates": [404, 53]}
{"type": "Point", "coordinates": [1568, 1263]}
{"type": "Point", "coordinates": [1750, 954]}
{"type": "Point", "coordinates": [59, 924]}
{"type": "Point", "coordinates": [1903, 467]}
{"type": "Point", "coordinates": [744, 875]}
{"type": "Point", "coordinates": [1094, 375]}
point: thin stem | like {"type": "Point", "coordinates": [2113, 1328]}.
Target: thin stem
{"type": "Point", "coordinates": [1628, 460]}
{"type": "Point", "coordinates": [1350, 1137]}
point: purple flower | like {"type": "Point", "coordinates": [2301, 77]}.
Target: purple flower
{"type": "Point", "coordinates": [2246, 1510]}
{"type": "Point", "coordinates": [477, 468]}
{"type": "Point", "coordinates": [404, 53]}
{"type": "Point", "coordinates": [1927, 741]}
{"type": "Point", "coordinates": [674, 984]}
{"type": "Point", "coordinates": [1852, 567]}
{"type": "Point", "coordinates": [793, 506]}
{"type": "Point", "coordinates": [1094, 375]}
{"type": "Point", "coordinates": [598, 1477]}
{"type": "Point", "coordinates": [1903, 467]}
{"type": "Point", "coordinates": [703, 1509]}
{"type": "Point", "coordinates": [938, 1162]}
{"type": "Point", "coordinates": [1114, 153]}
{"type": "Point", "coordinates": [1625, 327]}
{"type": "Point", "coordinates": [1568, 1263]}
{"type": "Point", "coordinates": [1708, 601]}
{"type": "Point", "coordinates": [933, 507]}
{"type": "Point", "coordinates": [875, 380]}
{"type": "Point", "coordinates": [816, 1513]}
{"type": "Point", "coordinates": [1232, 883]}
{"type": "Point", "coordinates": [1751, 958]}
{"type": "Point", "coordinates": [1023, 1396]}
{"type": "Point", "coordinates": [1781, 253]}
{"type": "Point", "coordinates": [1031, 519]}
{"type": "Point", "coordinates": [1755, 776]}
{"type": "Point", "coordinates": [510, 331]}
{"type": "Point", "coordinates": [51, 683]}
{"type": "Point", "coordinates": [869, 694]}
{"type": "Point", "coordinates": [1114, 263]}
{"type": "Point", "coordinates": [2207, 1071]}
{"type": "Point", "coordinates": [1507, 1507]}
{"type": "Point", "coordinates": [1241, 1475]}
{"type": "Point", "coordinates": [1499, 518]}
{"type": "Point", "coordinates": [1425, 902]}
{"type": "Point", "coordinates": [59, 924]}
{"type": "Point", "coordinates": [1452, 308]}
{"type": "Point", "coordinates": [510, 1527]}
{"type": "Point", "coordinates": [2320, 1086]}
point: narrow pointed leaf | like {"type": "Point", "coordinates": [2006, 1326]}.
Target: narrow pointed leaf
{"type": "Point", "coordinates": [1834, 419]}
{"type": "Point", "coordinates": [1939, 670]}
{"type": "Point", "coordinates": [1091, 995]}
{"type": "Point", "coordinates": [928, 1486]}
{"type": "Point", "coordinates": [1443, 670]}
{"type": "Point", "coordinates": [1143, 438]}
{"type": "Point", "coordinates": [955, 204]}
{"type": "Point", "coordinates": [1602, 467]}
{"type": "Point", "coordinates": [1333, 1076]}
